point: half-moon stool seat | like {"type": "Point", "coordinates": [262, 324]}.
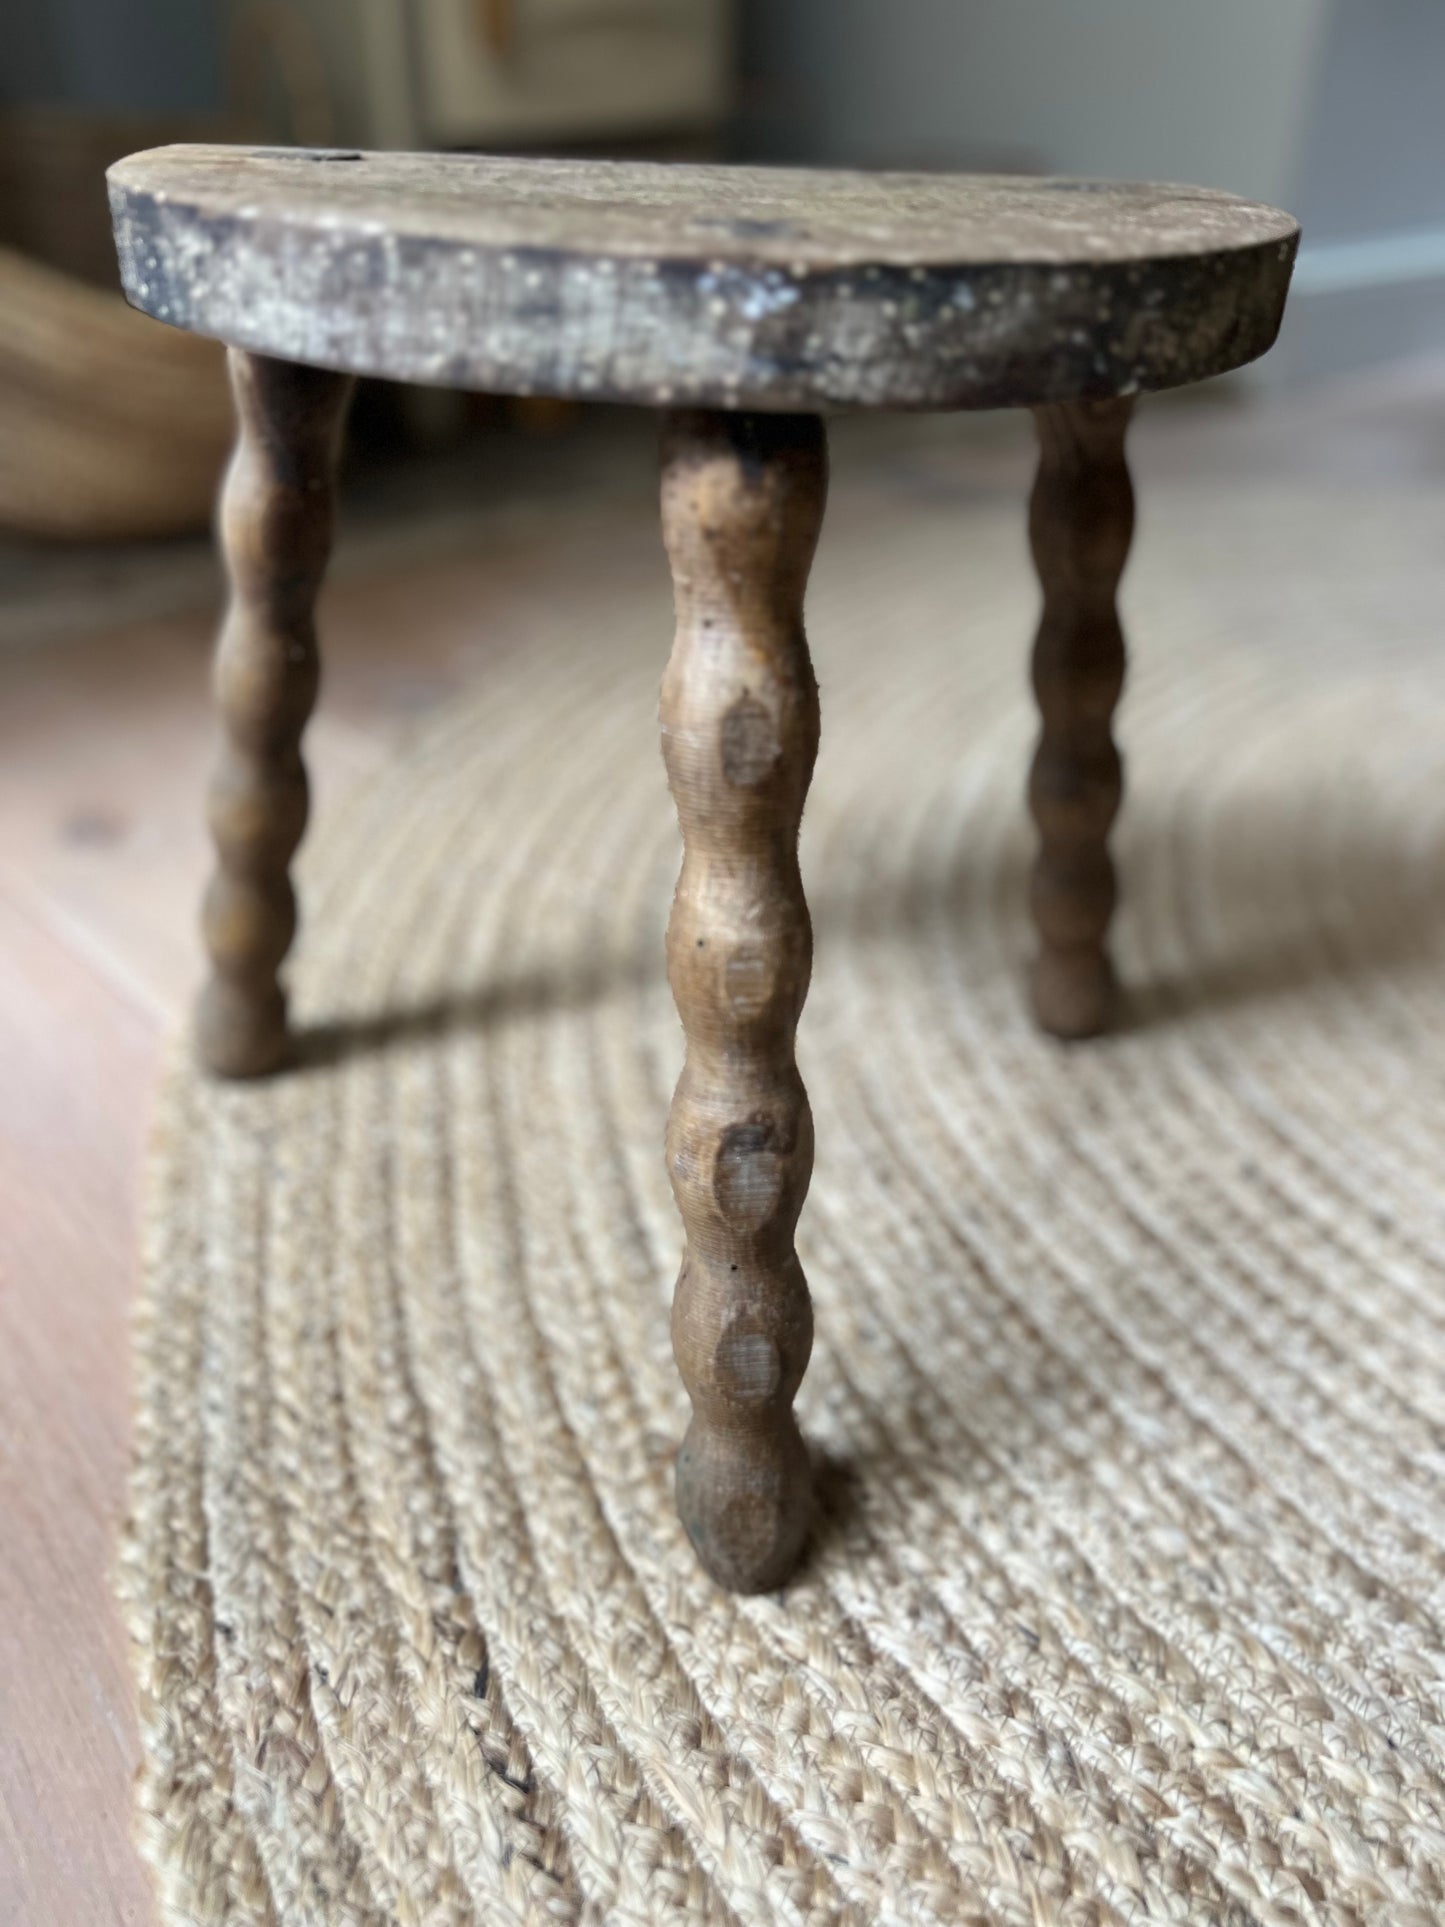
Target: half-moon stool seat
{"type": "Point", "coordinates": [746, 304]}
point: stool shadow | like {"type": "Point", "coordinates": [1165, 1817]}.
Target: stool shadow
{"type": "Point", "coordinates": [506, 1000]}
{"type": "Point", "coordinates": [1284, 940]}
{"type": "Point", "coordinates": [1366, 914]}
{"type": "Point", "coordinates": [933, 1465]}
{"type": "Point", "coordinates": [1371, 916]}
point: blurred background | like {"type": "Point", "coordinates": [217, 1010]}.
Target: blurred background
{"type": "Point", "coordinates": [107, 427]}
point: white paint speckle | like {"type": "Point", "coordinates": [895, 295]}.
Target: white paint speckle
{"type": "Point", "coordinates": [762, 301]}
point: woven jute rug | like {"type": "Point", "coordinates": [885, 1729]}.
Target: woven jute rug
{"type": "Point", "coordinates": [1125, 1599]}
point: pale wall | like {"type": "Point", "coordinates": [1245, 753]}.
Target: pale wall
{"type": "Point", "coordinates": [1332, 108]}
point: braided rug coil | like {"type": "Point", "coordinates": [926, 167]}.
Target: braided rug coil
{"type": "Point", "coordinates": [1126, 1598]}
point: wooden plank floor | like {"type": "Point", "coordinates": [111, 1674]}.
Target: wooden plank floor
{"type": "Point", "coordinates": [104, 739]}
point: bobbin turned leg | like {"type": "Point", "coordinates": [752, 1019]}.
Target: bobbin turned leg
{"type": "Point", "coordinates": [742, 504]}
{"type": "Point", "coordinates": [276, 518]}
{"type": "Point", "coordinates": [1081, 520]}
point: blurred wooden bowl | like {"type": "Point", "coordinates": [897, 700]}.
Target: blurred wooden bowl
{"type": "Point", "coordinates": [110, 425]}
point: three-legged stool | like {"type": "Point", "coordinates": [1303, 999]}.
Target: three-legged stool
{"type": "Point", "coordinates": [745, 303]}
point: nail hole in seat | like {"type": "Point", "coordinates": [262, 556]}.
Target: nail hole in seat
{"type": "Point", "coordinates": [305, 154]}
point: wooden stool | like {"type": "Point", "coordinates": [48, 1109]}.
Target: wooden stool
{"type": "Point", "coordinates": [746, 303]}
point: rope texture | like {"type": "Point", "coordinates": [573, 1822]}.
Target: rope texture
{"type": "Point", "coordinates": [1127, 1393]}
